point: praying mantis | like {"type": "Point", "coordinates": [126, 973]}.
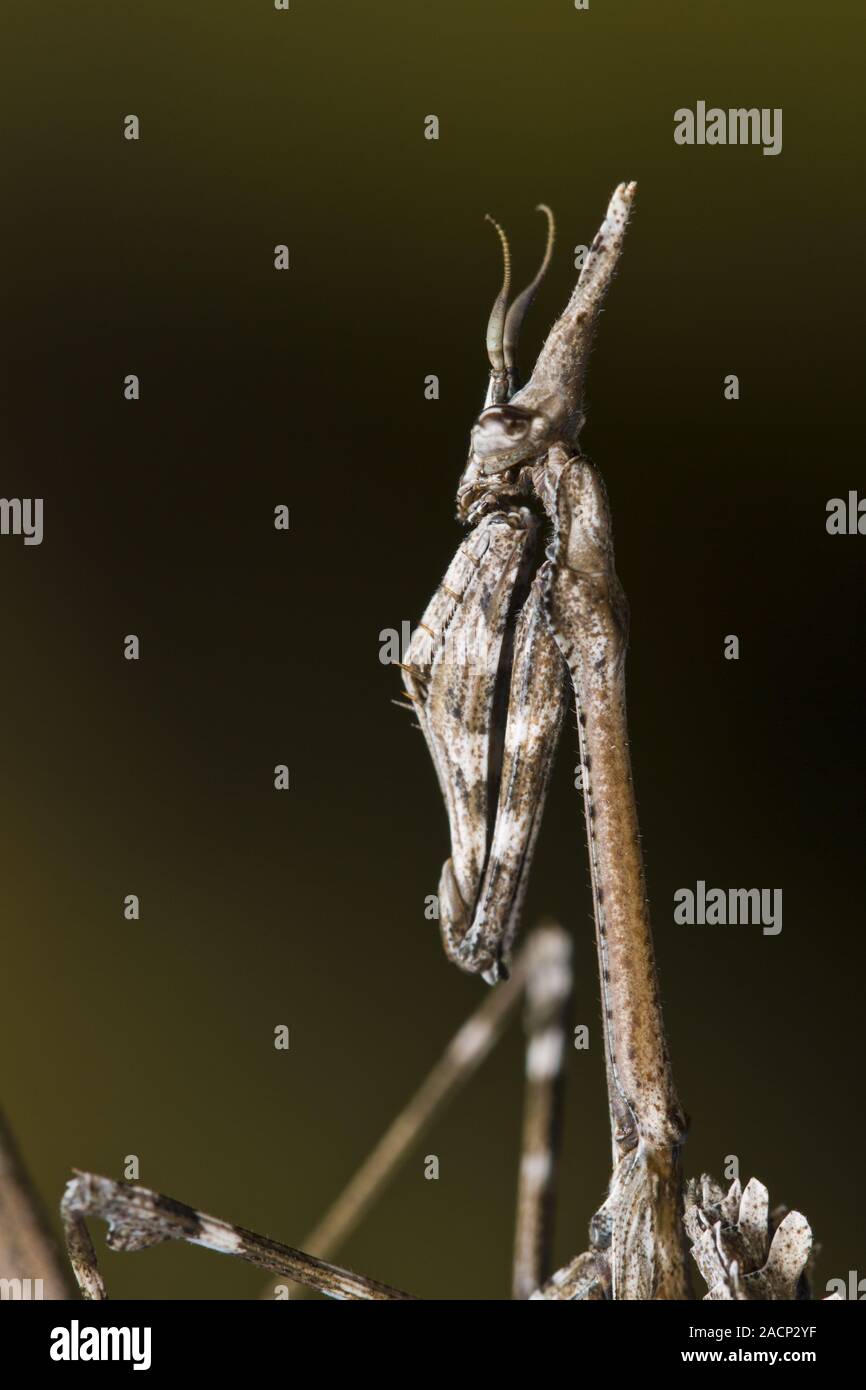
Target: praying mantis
{"type": "Point", "coordinates": [529, 609]}
{"type": "Point", "coordinates": [512, 626]}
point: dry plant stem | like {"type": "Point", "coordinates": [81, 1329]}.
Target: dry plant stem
{"type": "Point", "coordinates": [468, 1048]}
{"type": "Point", "coordinates": [27, 1248]}
{"type": "Point", "coordinates": [589, 617]}
{"type": "Point", "coordinates": [548, 997]}
{"type": "Point", "coordinates": [138, 1218]}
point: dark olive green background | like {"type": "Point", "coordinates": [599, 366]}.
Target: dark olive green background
{"type": "Point", "coordinates": [306, 388]}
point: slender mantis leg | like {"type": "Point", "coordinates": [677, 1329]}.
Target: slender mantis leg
{"type": "Point", "coordinates": [469, 1047]}
{"type": "Point", "coordinates": [548, 1001]}
{"type": "Point", "coordinates": [138, 1218]}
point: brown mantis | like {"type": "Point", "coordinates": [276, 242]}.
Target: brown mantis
{"type": "Point", "coordinates": [530, 605]}
{"type": "Point", "coordinates": [492, 725]}
{"type": "Point", "coordinates": [491, 711]}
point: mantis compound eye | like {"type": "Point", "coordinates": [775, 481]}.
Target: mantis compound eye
{"type": "Point", "coordinates": [505, 434]}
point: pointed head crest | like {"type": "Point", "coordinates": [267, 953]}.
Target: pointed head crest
{"type": "Point", "coordinates": [517, 427]}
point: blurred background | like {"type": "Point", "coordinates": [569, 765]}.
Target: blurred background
{"type": "Point", "coordinates": [259, 647]}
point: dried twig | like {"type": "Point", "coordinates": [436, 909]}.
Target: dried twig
{"type": "Point", "coordinates": [28, 1253]}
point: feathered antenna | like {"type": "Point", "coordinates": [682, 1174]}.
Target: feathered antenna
{"type": "Point", "coordinates": [496, 326]}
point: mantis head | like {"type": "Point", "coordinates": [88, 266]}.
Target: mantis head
{"type": "Point", "coordinates": [517, 427]}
